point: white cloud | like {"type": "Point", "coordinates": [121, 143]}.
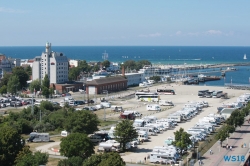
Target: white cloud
{"type": "Point", "coordinates": [213, 32]}
{"type": "Point", "coordinates": [178, 33]}
{"type": "Point", "coordinates": [151, 35]}
{"type": "Point", "coordinates": [193, 33]}
{"type": "Point", "coordinates": [10, 10]}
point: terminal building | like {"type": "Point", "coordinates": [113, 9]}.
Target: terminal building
{"type": "Point", "coordinates": [54, 64]}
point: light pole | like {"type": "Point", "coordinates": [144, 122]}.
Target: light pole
{"type": "Point", "coordinates": [104, 116]}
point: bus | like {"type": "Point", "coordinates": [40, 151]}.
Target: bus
{"type": "Point", "coordinates": [217, 94]}
{"type": "Point", "coordinates": [165, 91]}
{"type": "Point", "coordinates": [137, 94]}
{"type": "Point", "coordinates": [149, 98]}
{"type": "Point", "coordinates": [202, 93]}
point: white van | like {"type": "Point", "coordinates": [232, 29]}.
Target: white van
{"type": "Point", "coordinates": [166, 103]}
{"type": "Point", "coordinates": [95, 138]}
{"type": "Point", "coordinates": [64, 133]}
{"type": "Point", "coordinates": [106, 104]}
{"type": "Point", "coordinates": [116, 108]}
{"type": "Point", "coordinates": [68, 99]}
{"type": "Point", "coordinates": [153, 107]}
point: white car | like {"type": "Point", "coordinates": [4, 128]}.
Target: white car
{"type": "Point", "coordinates": [99, 106]}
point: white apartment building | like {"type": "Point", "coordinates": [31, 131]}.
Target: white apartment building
{"type": "Point", "coordinates": [55, 64]}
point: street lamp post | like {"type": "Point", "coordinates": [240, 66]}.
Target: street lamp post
{"type": "Point", "coordinates": [104, 116]}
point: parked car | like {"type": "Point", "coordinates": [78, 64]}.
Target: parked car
{"type": "Point", "coordinates": [3, 105]}
{"type": "Point", "coordinates": [79, 102]}
{"type": "Point", "coordinates": [24, 102]}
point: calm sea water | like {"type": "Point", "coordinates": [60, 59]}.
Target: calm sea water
{"type": "Point", "coordinates": [155, 54]}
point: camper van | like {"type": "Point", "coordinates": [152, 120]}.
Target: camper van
{"type": "Point", "coordinates": [106, 104]}
{"type": "Point", "coordinates": [153, 107]}
{"type": "Point", "coordinates": [116, 108]}
{"type": "Point", "coordinates": [95, 138]}
{"type": "Point", "coordinates": [39, 137]}
{"type": "Point", "coordinates": [142, 136]}
{"type": "Point", "coordinates": [109, 147]}
{"type": "Point", "coordinates": [166, 103]}
{"type": "Point", "coordinates": [64, 133]}
{"type": "Point", "coordinates": [136, 113]}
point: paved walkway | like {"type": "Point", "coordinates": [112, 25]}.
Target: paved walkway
{"type": "Point", "coordinates": [221, 156]}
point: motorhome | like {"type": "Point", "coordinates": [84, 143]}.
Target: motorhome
{"type": "Point", "coordinates": [64, 133]}
{"type": "Point", "coordinates": [106, 104]}
{"type": "Point", "coordinates": [164, 158]}
{"type": "Point", "coordinates": [39, 137]}
{"type": "Point", "coordinates": [150, 130]}
{"type": "Point", "coordinates": [151, 119]}
{"type": "Point", "coordinates": [142, 136]}
{"type": "Point", "coordinates": [207, 121]}
{"type": "Point", "coordinates": [166, 103]}
{"type": "Point", "coordinates": [136, 113]}
{"type": "Point", "coordinates": [153, 107]}
{"type": "Point", "coordinates": [176, 118]}
{"type": "Point", "coordinates": [153, 127]}
{"type": "Point", "coordinates": [109, 147]}
{"type": "Point", "coordinates": [95, 138]}
{"type": "Point", "coordinates": [139, 123]}
{"type": "Point", "coordinates": [116, 108]}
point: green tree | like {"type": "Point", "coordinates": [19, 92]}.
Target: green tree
{"type": "Point", "coordinates": [74, 72]}
{"type": "Point", "coordinates": [28, 70]}
{"type": "Point", "coordinates": [182, 139]}
{"type": "Point", "coordinates": [78, 145]}
{"type": "Point", "coordinates": [46, 105]}
{"type": "Point", "coordinates": [81, 122]}
{"type": "Point", "coordinates": [155, 78]}
{"type": "Point", "coordinates": [95, 68]}
{"type": "Point", "coordinates": [3, 89]}
{"type": "Point", "coordinates": [72, 161]}
{"type": "Point", "coordinates": [236, 118]}
{"type": "Point", "coordinates": [22, 153]}
{"type": "Point", "coordinates": [10, 145]}
{"type": "Point", "coordinates": [140, 64]}
{"type": "Point", "coordinates": [106, 64]}
{"type": "Point", "coordinates": [46, 81]}
{"type": "Point", "coordinates": [45, 91]}
{"type": "Point", "coordinates": [51, 91]}
{"type": "Point", "coordinates": [105, 159]}
{"type": "Point", "coordinates": [125, 132]}
{"type": "Point", "coordinates": [29, 159]}
{"type": "Point", "coordinates": [129, 65]}
{"type": "Point", "coordinates": [13, 84]}
{"type": "Point", "coordinates": [222, 135]}
{"type": "Point", "coordinates": [83, 65]}
{"type": "Point", "coordinates": [21, 74]}
{"type": "Point", "coordinates": [35, 85]}
{"type": "Point", "coordinates": [5, 79]}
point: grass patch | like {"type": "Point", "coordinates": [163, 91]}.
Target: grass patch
{"type": "Point", "coordinates": [107, 123]}
{"type": "Point", "coordinates": [53, 161]}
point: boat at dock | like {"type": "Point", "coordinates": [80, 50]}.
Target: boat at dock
{"type": "Point", "coordinates": [203, 78]}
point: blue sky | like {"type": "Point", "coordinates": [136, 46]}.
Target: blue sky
{"type": "Point", "coordinates": [125, 23]}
